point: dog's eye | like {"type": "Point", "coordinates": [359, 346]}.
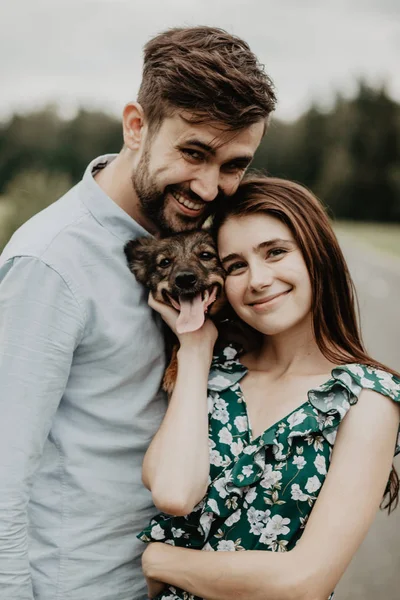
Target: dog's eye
{"type": "Point", "coordinates": [206, 255]}
{"type": "Point", "coordinates": [164, 262]}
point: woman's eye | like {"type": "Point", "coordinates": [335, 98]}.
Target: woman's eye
{"type": "Point", "coordinates": [164, 262]}
{"type": "Point", "coordinates": [234, 267]}
{"type": "Point", "coordinates": [276, 252]}
{"type": "Point", "coordinates": [206, 255]}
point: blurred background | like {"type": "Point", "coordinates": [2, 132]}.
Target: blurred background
{"type": "Point", "coordinates": [68, 68]}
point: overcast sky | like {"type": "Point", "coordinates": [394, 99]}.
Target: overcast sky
{"type": "Point", "coordinates": [89, 52]}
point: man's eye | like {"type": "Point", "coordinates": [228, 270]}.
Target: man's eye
{"type": "Point", "coordinates": [206, 255]}
{"type": "Point", "coordinates": [234, 168]}
{"type": "Point", "coordinates": [164, 262]}
{"type": "Point", "coordinates": [192, 154]}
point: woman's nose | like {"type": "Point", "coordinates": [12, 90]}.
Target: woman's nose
{"type": "Point", "coordinates": [261, 276]}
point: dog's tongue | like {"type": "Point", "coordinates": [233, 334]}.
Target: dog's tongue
{"type": "Point", "coordinates": [191, 316]}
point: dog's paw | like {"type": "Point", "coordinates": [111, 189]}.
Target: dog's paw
{"type": "Point", "coordinates": [170, 374]}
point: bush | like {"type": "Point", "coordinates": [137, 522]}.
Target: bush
{"type": "Point", "coordinates": [27, 194]}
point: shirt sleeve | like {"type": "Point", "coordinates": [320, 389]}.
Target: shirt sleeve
{"type": "Point", "coordinates": [41, 324]}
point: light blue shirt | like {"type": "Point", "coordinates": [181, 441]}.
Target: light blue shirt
{"type": "Point", "coordinates": [81, 360]}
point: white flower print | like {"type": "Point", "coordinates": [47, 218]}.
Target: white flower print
{"type": "Point", "coordinates": [296, 418]}
{"type": "Point", "coordinates": [157, 532]}
{"type": "Point", "coordinates": [177, 533]}
{"type": "Point", "coordinates": [367, 383]}
{"type": "Point", "coordinates": [229, 352]}
{"type": "Point", "coordinates": [206, 519]}
{"type": "Point", "coordinates": [257, 520]}
{"type": "Point", "coordinates": [221, 415]}
{"type": "Point", "coordinates": [251, 495]}
{"type": "Point", "coordinates": [313, 484]}
{"type": "Point", "coordinates": [320, 464]}
{"type": "Point", "coordinates": [387, 381]}
{"type": "Point", "coordinates": [277, 525]}
{"type": "Point", "coordinates": [241, 423]}
{"type": "Point", "coordinates": [247, 470]}
{"type": "Point", "coordinates": [278, 451]}
{"type": "Point", "coordinates": [356, 369]}
{"type": "Point", "coordinates": [221, 483]}
{"type": "Point", "coordinates": [225, 436]}
{"type": "Point", "coordinates": [220, 404]}
{"type": "Point", "coordinates": [297, 493]}
{"type": "Point", "coordinates": [257, 528]}
{"type": "Point", "coordinates": [237, 447]}
{"type": "Point", "coordinates": [220, 486]}
{"type": "Point", "coordinates": [213, 505]}
{"type": "Point", "coordinates": [270, 477]}
{"type": "Point", "coordinates": [226, 546]}
{"type": "Point", "coordinates": [266, 537]}
{"type": "Point", "coordinates": [219, 381]}
{"type": "Point", "coordinates": [234, 518]}
{"type": "Point", "coordinates": [255, 516]}
{"type": "Point", "coordinates": [216, 458]}
{"type": "Point", "coordinates": [250, 449]}
{"type": "Point", "coordinates": [299, 461]}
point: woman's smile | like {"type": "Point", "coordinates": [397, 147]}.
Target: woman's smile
{"type": "Point", "coordinates": [267, 282]}
{"type": "Point", "coordinates": [269, 301]}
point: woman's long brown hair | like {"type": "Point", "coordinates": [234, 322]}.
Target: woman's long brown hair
{"type": "Point", "coordinates": [335, 323]}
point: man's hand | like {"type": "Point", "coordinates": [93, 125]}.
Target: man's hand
{"type": "Point", "coordinates": [154, 587]}
{"type": "Point", "coordinates": [149, 557]}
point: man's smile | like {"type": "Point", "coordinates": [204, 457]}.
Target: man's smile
{"type": "Point", "coordinates": [192, 207]}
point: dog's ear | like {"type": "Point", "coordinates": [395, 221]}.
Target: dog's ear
{"type": "Point", "coordinates": [139, 254]}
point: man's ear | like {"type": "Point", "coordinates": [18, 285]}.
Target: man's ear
{"type": "Point", "coordinates": [139, 254]}
{"type": "Point", "coordinates": [133, 125]}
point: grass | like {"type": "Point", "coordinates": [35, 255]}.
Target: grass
{"type": "Point", "coordinates": [383, 236]}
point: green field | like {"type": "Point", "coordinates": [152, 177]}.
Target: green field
{"type": "Point", "coordinates": [383, 236]}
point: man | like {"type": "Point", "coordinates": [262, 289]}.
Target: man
{"type": "Point", "coordinates": [81, 356]}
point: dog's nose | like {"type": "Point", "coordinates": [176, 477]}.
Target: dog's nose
{"type": "Point", "coordinates": [186, 280]}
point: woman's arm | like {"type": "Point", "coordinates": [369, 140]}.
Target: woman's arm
{"type": "Point", "coordinates": [340, 519]}
{"type": "Point", "coordinates": [176, 465]}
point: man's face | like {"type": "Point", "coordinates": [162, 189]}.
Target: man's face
{"type": "Point", "coordinates": [184, 167]}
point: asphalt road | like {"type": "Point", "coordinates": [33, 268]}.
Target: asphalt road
{"type": "Point", "coordinates": [375, 570]}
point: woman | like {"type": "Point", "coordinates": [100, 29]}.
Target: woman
{"type": "Point", "coordinates": [302, 426]}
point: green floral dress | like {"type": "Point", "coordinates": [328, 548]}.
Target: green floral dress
{"type": "Point", "coordinates": [261, 492]}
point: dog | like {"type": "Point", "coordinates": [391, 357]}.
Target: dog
{"type": "Point", "coordinates": [184, 271]}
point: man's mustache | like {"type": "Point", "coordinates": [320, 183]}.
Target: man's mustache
{"type": "Point", "coordinates": [192, 195]}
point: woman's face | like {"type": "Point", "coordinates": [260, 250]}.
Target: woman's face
{"type": "Point", "coordinates": [267, 282]}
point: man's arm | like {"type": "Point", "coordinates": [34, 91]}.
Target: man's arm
{"type": "Point", "coordinates": [340, 519]}
{"type": "Point", "coordinates": [40, 326]}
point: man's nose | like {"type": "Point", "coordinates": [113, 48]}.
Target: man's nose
{"type": "Point", "coordinates": [207, 184]}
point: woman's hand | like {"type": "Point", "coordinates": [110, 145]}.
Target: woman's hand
{"type": "Point", "coordinates": [204, 337]}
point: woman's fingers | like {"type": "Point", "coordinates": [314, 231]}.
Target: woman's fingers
{"type": "Point", "coordinates": [207, 332]}
{"type": "Point", "coordinates": [168, 313]}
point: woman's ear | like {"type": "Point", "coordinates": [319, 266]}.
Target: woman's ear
{"type": "Point", "coordinates": [133, 122]}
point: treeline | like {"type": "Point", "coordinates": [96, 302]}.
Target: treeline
{"type": "Point", "coordinates": [349, 156]}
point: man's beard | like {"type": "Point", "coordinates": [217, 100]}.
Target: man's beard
{"type": "Point", "coordinates": [153, 202]}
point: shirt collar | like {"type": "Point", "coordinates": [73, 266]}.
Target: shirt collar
{"type": "Point", "coordinates": [103, 208]}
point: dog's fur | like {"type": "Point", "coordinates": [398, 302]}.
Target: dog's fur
{"type": "Point", "coordinates": [176, 270]}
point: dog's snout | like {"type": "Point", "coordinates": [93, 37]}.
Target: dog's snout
{"type": "Point", "coordinates": [185, 280]}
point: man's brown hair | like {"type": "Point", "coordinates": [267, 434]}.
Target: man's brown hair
{"type": "Point", "coordinates": [207, 72]}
